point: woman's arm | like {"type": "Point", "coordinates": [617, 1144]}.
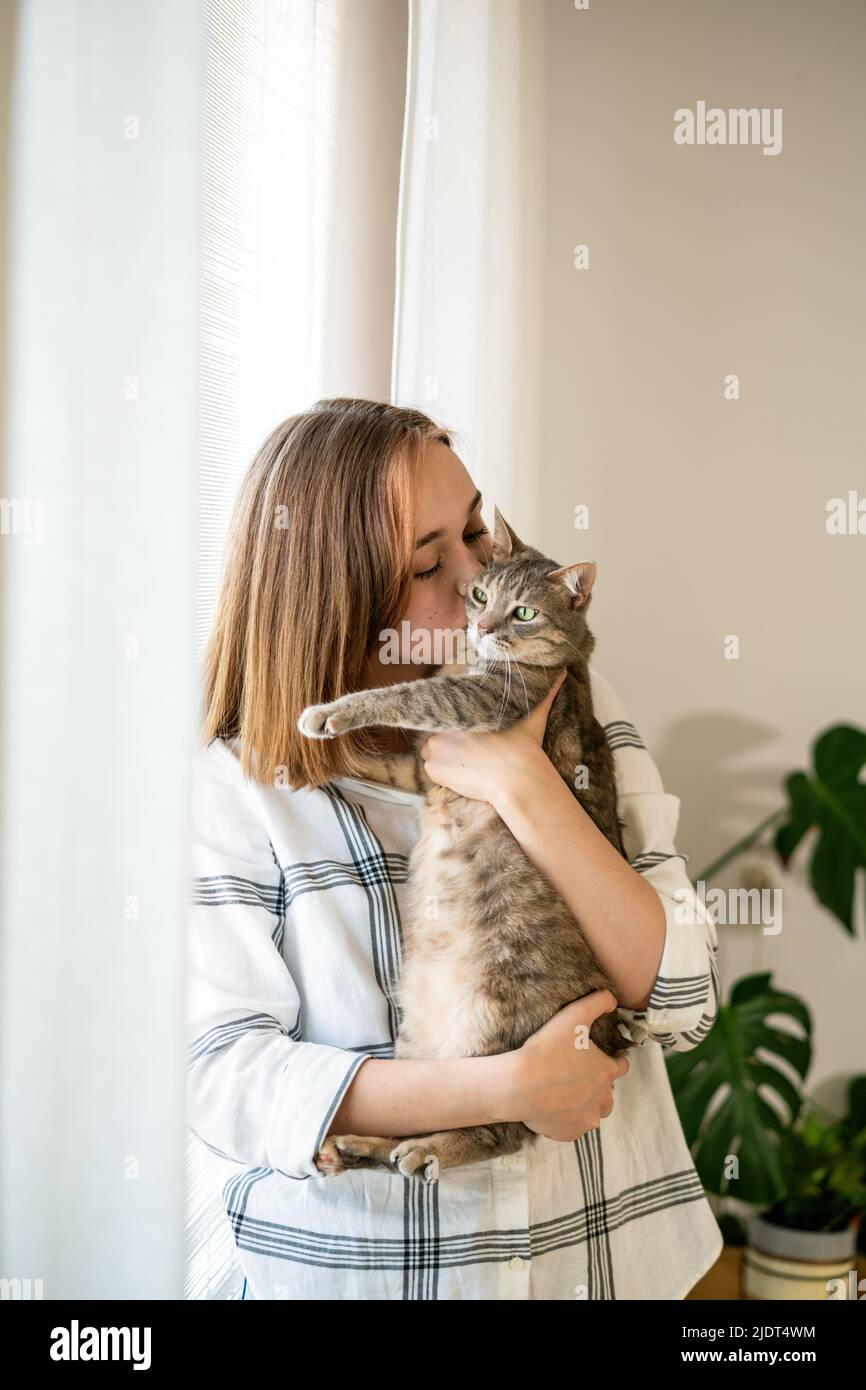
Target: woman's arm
{"type": "Point", "coordinates": [684, 1001]}
{"type": "Point", "coordinates": [260, 1094]}
{"type": "Point", "coordinates": [608, 895]}
{"type": "Point", "coordinates": [558, 1083]}
{"type": "Point", "coordinates": [257, 1092]}
{"type": "Point", "coordinates": [402, 1096]}
{"type": "Point", "coordinates": [618, 909]}
{"type": "Point", "coordinates": [620, 913]}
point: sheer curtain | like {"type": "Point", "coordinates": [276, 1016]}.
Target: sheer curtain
{"type": "Point", "coordinates": [180, 250]}
{"type": "Point", "coordinates": [466, 339]}
{"type": "Point", "coordinates": [268, 157]}
{"type": "Point", "coordinates": [99, 685]}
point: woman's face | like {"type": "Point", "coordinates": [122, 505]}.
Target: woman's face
{"type": "Point", "coordinates": [452, 545]}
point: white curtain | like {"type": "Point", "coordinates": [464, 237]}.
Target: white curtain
{"type": "Point", "coordinates": [171, 212]}
{"type": "Point", "coordinates": [268, 157]}
{"type": "Point", "coordinates": [469, 267]}
{"type": "Point", "coordinates": [99, 682]}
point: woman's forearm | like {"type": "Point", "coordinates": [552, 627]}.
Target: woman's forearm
{"type": "Point", "coordinates": [620, 913]}
{"type": "Point", "coordinates": [403, 1096]}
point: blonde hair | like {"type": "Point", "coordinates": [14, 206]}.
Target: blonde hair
{"type": "Point", "coordinates": [319, 562]}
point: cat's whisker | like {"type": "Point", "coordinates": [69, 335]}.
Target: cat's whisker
{"type": "Point", "coordinates": [487, 669]}
{"type": "Point", "coordinates": [506, 690]}
{"type": "Point", "coordinates": [574, 648]}
{"type": "Point", "coordinates": [523, 683]}
{"type": "Point", "coordinates": [488, 664]}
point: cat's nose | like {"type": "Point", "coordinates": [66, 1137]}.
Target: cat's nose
{"type": "Point", "coordinates": [482, 628]}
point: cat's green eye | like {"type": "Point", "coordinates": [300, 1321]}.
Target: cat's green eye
{"type": "Point", "coordinates": [479, 595]}
{"type": "Point", "coordinates": [525, 615]}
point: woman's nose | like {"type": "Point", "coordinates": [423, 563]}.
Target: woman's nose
{"type": "Point", "coordinates": [472, 568]}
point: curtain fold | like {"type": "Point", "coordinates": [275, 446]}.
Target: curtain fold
{"type": "Point", "coordinates": [268, 150]}
{"type": "Point", "coordinates": [468, 263]}
{"type": "Point", "coordinates": [267, 197]}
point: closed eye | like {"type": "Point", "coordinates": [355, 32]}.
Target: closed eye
{"type": "Point", "coordinates": [426, 574]}
{"type": "Point", "coordinates": [471, 537]}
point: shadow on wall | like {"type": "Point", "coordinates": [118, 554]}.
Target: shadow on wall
{"type": "Point", "coordinates": [713, 763]}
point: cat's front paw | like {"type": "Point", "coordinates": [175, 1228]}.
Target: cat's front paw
{"type": "Point", "coordinates": [416, 1158]}
{"type": "Point", "coordinates": [325, 721]}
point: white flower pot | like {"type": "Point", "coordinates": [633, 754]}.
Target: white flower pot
{"type": "Point", "coordinates": [780, 1262]}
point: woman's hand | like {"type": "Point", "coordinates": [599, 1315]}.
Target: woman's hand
{"type": "Point", "coordinates": [561, 1083]}
{"type": "Point", "coordinates": [483, 766]}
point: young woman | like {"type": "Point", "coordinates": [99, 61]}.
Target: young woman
{"type": "Point", "coordinates": [354, 517]}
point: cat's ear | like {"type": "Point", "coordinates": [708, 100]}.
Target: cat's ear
{"type": "Point", "coordinates": [505, 541]}
{"type": "Point", "coordinates": [577, 580]}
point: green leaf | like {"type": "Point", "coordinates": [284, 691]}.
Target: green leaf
{"type": "Point", "coordinates": [857, 1102]}
{"type": "Point", "coordinates": [833, 800]}
{"type": "Point", "coordinates": [733, 1097]}
{"type": "Point", "coordinates": [824, 1163]}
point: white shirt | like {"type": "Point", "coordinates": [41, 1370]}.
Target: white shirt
{"type": "Point", "coordinates": [295, 952]}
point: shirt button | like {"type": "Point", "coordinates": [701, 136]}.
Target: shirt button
{"type": "Point", "coordinates": [511, 1161]}
{"type": "Point", "coordinates": [516, 1262]}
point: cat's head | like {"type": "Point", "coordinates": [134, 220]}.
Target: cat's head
{"type": "Point", "coordinates": [523, 606]}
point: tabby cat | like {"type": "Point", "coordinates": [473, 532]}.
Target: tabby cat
{"type": "Point", "coordinates": [504, 952]}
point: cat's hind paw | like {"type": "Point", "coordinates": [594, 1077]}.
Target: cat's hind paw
{"type": "Point", "coordinates": [342, 1151]}
{"type": "Point", "coordinates": [329, 1160]}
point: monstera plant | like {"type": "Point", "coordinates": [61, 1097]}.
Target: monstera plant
{"type": "Point", "coordinates": [716, 1087]}
{"type": "Point", "coordinates": [832, 800]}
{"type": "Point", "coordinates": [733, 1097]}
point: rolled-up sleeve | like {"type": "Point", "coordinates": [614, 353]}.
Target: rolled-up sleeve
{"type": "Point", "coordinates": [257, 1092]}
{"type": "Point", "coordinates": [684, 1002]}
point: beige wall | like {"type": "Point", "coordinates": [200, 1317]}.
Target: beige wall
{"type": "Point", "coordinates": [708, 515]}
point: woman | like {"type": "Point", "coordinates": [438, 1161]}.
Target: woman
{"type": "Point", "coordinates": [354, 518]}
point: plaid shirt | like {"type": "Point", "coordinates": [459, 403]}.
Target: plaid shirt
{"type": "Point", "coordinates": [295, 950]}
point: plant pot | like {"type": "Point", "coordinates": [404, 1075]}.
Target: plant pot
{"type": "Point", "coordinates": [780, 1262]}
